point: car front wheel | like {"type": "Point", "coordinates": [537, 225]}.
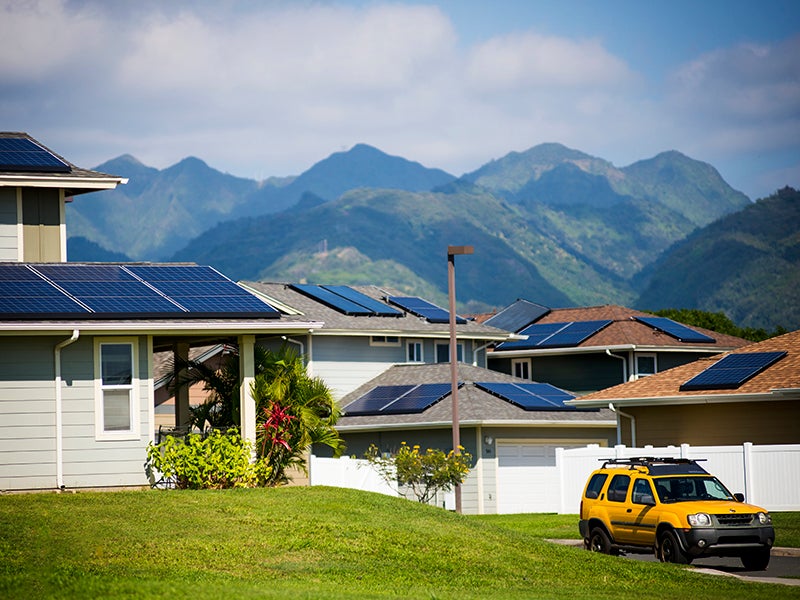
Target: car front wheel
{"type": "Point", "coordinates": [669, 549]}
{"type": "Point", "coordinates": [757, 560]}
{"type": "Point", "coordinates": [600, 542]}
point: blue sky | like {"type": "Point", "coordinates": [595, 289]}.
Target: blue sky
{"type": "Point", "coordinates": [268, 88]}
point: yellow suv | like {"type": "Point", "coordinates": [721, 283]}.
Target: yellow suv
{"type": "Point", "coordinates": [673, 507]}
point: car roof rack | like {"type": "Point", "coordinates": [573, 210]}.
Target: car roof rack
{"type": "Point", "coordinates": [656, 465]}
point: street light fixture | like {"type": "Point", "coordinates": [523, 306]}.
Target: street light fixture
{"type": "Point", "coordinates": [452, 252]}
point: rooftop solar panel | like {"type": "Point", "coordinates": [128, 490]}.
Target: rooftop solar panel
{"type": "Point", "coordinates": [517, 316]}
{"type": "Point", "coordinates": [732, 371]}
{"type": "Point", "coordinates": [573, 334]}
{"type": "Point", "coordinates": [523, 395]}
{"type": "Point", "coordinates": [331, 299]}
{"type": "Point", "coordinates": [422, 308]}
{"type": "Point", "coordinates": [677, 330]}
{"type": "Point", "coordinates": [374, 400]}
{"type": "Point", "coordinates": [419, 399]}
{"type": "Point", "coordinates": [23, 154]}
{"type": "Point", "coordinates": [378, 308]}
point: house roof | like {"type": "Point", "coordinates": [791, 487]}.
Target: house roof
{"type": "Point", "coordinates": [780, 381]}
{"type": "Point", "coordinates": [74, 180]}
{"type": "Point", "coordinates": [476, 407]}
{"type": "Point", "coordinates": [624, 332]}
{"type": "Point", "coordinates": [338, 323]}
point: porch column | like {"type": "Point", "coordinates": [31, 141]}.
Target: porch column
{"type": "Point", "coordinates": [180, 351]}
{"type": "Point", "coordinates": [247, 404]}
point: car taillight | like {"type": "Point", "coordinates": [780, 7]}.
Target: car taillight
{"type": "Point", "coordinates": [581, 509]}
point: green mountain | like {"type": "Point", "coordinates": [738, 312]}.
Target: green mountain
{"type": "Point", "coordinates": [746, 265]}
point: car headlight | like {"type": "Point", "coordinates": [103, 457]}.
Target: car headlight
{"type": "Point", "coordinates": [699, 520]}
{"type": "Point", "coordinates": [764, 518]}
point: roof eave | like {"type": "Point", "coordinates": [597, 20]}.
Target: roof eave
{"type": "Point", "coordinates": [615, 348]}
{"type": "Point", "coordinates": [776, 394]}
{"type": "Point", "coordinates": [76, 185]}
{"type": "Point", "coordinates": [159, 328]}
{"type": "Point", "coordinates": [475, 423]}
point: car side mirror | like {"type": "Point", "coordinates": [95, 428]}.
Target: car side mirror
{"type": "Point", "coordinates": [591, 495]}
{"type": "Point", "coordinates": [739, 497]}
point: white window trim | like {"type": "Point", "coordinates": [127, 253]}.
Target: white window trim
{"type": "Point", "coordinates": [99, 418]}
{"type": "Point", "coordinates": [459, 345]}
{"type": "Point", "coordinates": [639, 355]}
{"type": "Point", "coordinates": [419, 343]}
{"type": "Point", "coordinates": [393, 344]}
{"type": "Point", "coordinates": [525, 361]}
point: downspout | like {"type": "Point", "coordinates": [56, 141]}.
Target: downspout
{"type": "Point", "coordinates": [59, 420]}
{"type": "Point", "coordinates": [619, 414]}
{"type": "Point", "coordinates": [475, 354]}
{"type": "Point", "coordinates": [624, 365]}
{"type": "Point", "coordinates": [299, 343]}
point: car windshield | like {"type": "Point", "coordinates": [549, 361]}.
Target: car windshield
{"type": "Point", "coordinates": [686, 489]}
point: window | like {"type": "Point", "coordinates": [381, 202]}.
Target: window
{"type": "Point", "coordinates": [443, 352]}
{"type": "Point", "coordinates": [642, 492]}
{"type": "Point", "coordinates": [414, 351]}
{"type": "Point", "coordinates": [618, 488]}
{"type": "Point", "coordinates": [596, 485]}
{"type": "Point", "coordinates": [116, 402]}
{"type": "Point", "coordinates": [645, 365]}
{"type": "Point", "coordinates": [384, 340]}
{"type": "Point", "coordinates": [521, 367]}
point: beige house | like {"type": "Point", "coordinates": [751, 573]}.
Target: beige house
{"type": "Point", "coordinates": [751, 394]}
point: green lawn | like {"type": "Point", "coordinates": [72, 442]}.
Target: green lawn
{"type": "Point", "coordinates": [311, 543]}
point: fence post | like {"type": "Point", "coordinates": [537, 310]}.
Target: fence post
{"type": "Point", "coordinates": [560, 472]}
{"type": "Point", "coordinates": [684, 450]}
{"type": "Point", "coordinates": [747, 464]}
{"type": "Point", "coordinates": [619, 451]}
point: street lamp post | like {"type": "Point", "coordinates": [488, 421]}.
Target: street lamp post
{"type": "Point", "coordinates": [452, 252]}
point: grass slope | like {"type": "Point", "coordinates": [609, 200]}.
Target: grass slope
{"type": "Point", "coordinates": [305, 543]}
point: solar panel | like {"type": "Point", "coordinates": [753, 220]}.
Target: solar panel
{"type": "Point", "coordinates": [334, 301]}
{"type": "Point", "coordinates": [374, 400]}
{"type": "Point", "coordinates": [573, 334]}
{"type": "Point", "coordinates": [732, 371]}
{"type": "Point", "coordinates": [517, 316]}
{"type": "Point", "coordinates": [23, 154]}
{"type": "Point", "coordinates": [680, 332]}
{"type": "Point", "coordinates": [111, 291]}
{"type": "Point", "coordinates": [422, 308]}
{"type": "Point", "coordinates": [524, 396]}
{"type": "Point", "coordinates": [378, 308]}
{"type": "Point", "coordinates": [419, 399]}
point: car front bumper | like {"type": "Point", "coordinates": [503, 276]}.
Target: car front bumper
{"type": "Point", "coordinates": [710, 541]}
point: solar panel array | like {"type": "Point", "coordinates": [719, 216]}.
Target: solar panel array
{"type": "Point", "coordinates": [517, 316]}
{"type": "Point", "coordinates": [680, 332]}
{"type": "Point", "coordinates": [732, 371]}
{"type": "Point", "coordinates": [114, 291]}
{"type": "Point", "coordinates": [555, 335]}
{"type": "Point", "coordinates": [397, 399]}
{"type": "Point", "coordinates": [529, 396]}
{"type": "Point", "coordinates": [422, 308]}
{"type": "Point", "coordinates": [346, 300]}
{"type": "Point", "coordinates": [23, 154]}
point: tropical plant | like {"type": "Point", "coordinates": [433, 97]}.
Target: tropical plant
{"type": "Point", "coordinates": [293, 412]}
{"type": "Point", "coordinates": [425, 474]}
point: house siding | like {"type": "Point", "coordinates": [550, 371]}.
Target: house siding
{"type": "Point", "coordinates": [28, 422]}
{"type": "Point", "coordinates": [9, 245]}
{"type": "Point", "coordinates": [707, 425]}
{"type": "Point", "coordinates": [579, 373]}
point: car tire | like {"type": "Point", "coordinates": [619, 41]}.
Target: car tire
{"type": "Point", "coordinates": [756, 560]}
{"type": "Point", "coordinates": [669, 549]}
{"type": "Point", "coordinates": [600, 542]}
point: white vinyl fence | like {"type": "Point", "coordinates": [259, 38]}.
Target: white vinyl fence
{"type": "Point", "coordinates": [768, 476]}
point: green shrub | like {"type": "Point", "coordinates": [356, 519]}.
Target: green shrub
{"type": "Point", "coordinates": [216, 461]}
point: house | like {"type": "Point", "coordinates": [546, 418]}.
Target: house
{"type": "Point", "coordinates": [511, 427]}
{"type": "Point", "coordinates": [591, 348]}
{"type": "Point", "coordinates": [751, 394]}
{"type": "Point", "coordinates": [369, 329]}
{"type": "Point", "coordinates": [77, 341]}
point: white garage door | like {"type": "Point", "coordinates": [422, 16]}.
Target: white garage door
{"type": "Point", "coordinates": [527, 481]}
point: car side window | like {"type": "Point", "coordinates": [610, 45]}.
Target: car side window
{"type": "Point", "coordinates": [618, 488]}
{"type": "Point", "coordinates": [642, 492]}
{"type": "Point", "coordinates": [595, 485]}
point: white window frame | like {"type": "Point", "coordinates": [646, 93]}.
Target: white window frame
{"type": "Point", "coordinates": [133, 388]}
{"type": "Point", "coordinates": [385, 340]}
{"type": "Point", "coordinates": [636, 358]}
{"type": "Point", "coordinates": [459, 350]}
{"type": "Point", "coordinates": [524, 364]}
{"type": "Point", "coordinates": [420, 356]}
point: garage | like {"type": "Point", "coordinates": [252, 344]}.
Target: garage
{"type": "Point", "coordinates": [527, 480]}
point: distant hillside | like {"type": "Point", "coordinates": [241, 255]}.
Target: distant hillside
{"type": "Point", "coordinates": [158, 212]}
{"type": "Point", "coordinates": [746, 265]}
{"type": "Point", "coordinates": [79, 249]}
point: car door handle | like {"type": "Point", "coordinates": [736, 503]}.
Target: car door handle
{"type": "Point", "coordinates": [629, 510]}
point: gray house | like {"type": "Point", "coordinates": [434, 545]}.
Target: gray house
{"type": "Point", "coordinates": [77, 340]}
{"type": "Point", "coordinates": [510, 426]}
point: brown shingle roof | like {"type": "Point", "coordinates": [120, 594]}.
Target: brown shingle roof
{"type": "Point", "coordinates": [783, 375]}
